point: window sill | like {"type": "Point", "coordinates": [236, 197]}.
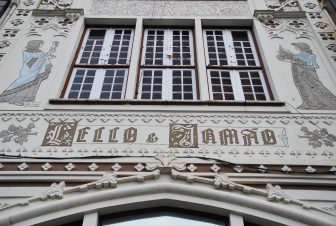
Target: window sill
{"type": "Point", "coordinates": [165, 102]}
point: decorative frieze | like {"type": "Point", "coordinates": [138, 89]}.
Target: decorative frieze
{"type": "Point", "coordinates": [169, 8]}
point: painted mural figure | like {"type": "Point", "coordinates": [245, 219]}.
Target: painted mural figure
{"type": "Point", "coordinates": [36, 68]}
{"type": "Point", "coordinates": [314, 95]}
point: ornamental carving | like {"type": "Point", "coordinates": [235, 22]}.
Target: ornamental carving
{"type": "Point", "coordinates": [283, 5]}
{"type": "Point", "coordinates": [17, 133]}
{"type": "Point", "coordinates": [317, 138]}
{"type": "Point", "coordinates": [169, 8]}
{"type": "Point", "coordinates": [275, 27]}
{"type": "Point", "coordinates": [61, 24]}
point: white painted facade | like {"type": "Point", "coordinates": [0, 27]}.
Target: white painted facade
{"type": "Point", "coordinates": [270, 162]}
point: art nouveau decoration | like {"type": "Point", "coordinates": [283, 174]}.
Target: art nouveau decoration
{"type": "Point", "coordinates": [314, 95]}
{"type": "Point", "coordinates": [169, 8]}
{"type": "Point", "coordinates": [276, 28]}
{"type": "Point", "coordinates": [283, 5]}
{"type": "Point", "coordinates": [268, 139]}
{"type": "Point", "coordinates": [36, 67]}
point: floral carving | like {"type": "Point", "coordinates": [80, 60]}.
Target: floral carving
{"type": "Point", "coordinates": [321, 25]}
{"type": "Point", "coordinates": [17, 22]}
{"type": "Point", "coordinates": [275, 193]}
{"type": "Point", "coordinates": [317, 138]}
{"type": "Point", "coordinates": [29, 2]}
{"type": "Point", "coordinates": [107, 180]}
{"type": "Point", "coordinates": [17, 133]}
{"type": "Point", "coordinates": [310, 5]}
{"type": "Point", "coordinates": [275, 27]}
{"type": "Point", "coordinates": [54, 191]}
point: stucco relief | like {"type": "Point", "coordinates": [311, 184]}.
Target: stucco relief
{"type": "Point", "coordinates": [314, 95]}
{"type": "Point", "coordinates": [61, 24]}
{"type": "Point", "coordinates": [169, 8]}
{"type": "Point", "coordinates": [283, 5]}
{"type": "Point", "coordinates": [36, 67]}
{"type": "Point", "coordinates": [276, 27]}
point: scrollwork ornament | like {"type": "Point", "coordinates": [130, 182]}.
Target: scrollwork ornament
{"type": "Point", "coordinates": [317, 138]}
{"type": "Point", "coordinates": [275, 193]}
{"type": "Point", "coordinates": [54, 191]}
{"type": "Point", "coordinates": [17, 133]}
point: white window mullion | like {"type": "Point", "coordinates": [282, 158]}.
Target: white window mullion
{"type": "Point", "coordinates": [167, 84]}
{"type": "Point", "coordinates": [229, 47]}
{"type": "Point", "coordinates": [168, 47]}
{"type": "Point", "coordinates": [193, 77]}
{"type": "Point", "coordinates": [237, 86]}
{"type": "Point", "coordinates": [97, 84]}
{"type": "Point", "coordinates": [104, 55]}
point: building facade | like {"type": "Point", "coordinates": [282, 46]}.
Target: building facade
{"type": "Point", "coordinates": [210, 110]}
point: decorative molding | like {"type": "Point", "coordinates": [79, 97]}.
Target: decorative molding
{"type": "Point", "coordinates": [108, 180]}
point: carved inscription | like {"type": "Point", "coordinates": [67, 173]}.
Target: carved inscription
{"type": "Point", "coordinates": [179, 135]}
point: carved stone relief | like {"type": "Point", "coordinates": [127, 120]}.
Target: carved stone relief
{"type": "Point", "coordinates": [169, 8]}
{"type": "Point", "coordinates": [283, 5]}
{"type": "Point", "coordinates": [275, 27]}
{"type": "Point", "coordinates": [62, 25]}
{"type": "Point", "coordinates": [55, 4]}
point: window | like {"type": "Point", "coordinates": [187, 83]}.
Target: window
{"type": "Point", "coordinates": [167, 68]}
{"type": "Point", "coordinates": [233, 68]}
{"type": "Point", "coordinates": [101, 67]}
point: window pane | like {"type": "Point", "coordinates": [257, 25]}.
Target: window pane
{"type": "Point", "coordinates": [221, 85]}
{"type": "Point", "coordinates": [243, 48]}
{"type": "Point", "coordinates": [81, 84]}
{"type": "Point", "coordinates": [181, 47]}
{"type": "Point", "coordinates": [182, 87]}
{"type": "Point", "coordinates": [154, 47]}
{"type": "Point", "coordinates": [92, 47]}
{"type": "Point", "coordinates": [252, 85]}
{"type": "Point", "coordinates": [151, 84]}
{"type": "Point", "coordinates": [113, 84]}
{"type": "Point", "coordinates": [121, 43]}
{"type": "Point", "coordinates": [216, 48]}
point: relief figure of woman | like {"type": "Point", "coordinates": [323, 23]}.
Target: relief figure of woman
{"type": "Point", "coordinates": [314, 95]}
{"type": "Point", "coordinates": [36, 68]}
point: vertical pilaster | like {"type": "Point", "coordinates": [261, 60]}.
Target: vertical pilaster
{"type": "Point", "coordinates": [201, 65]}
{"type": "Point", "coordinates": [134, 63]}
